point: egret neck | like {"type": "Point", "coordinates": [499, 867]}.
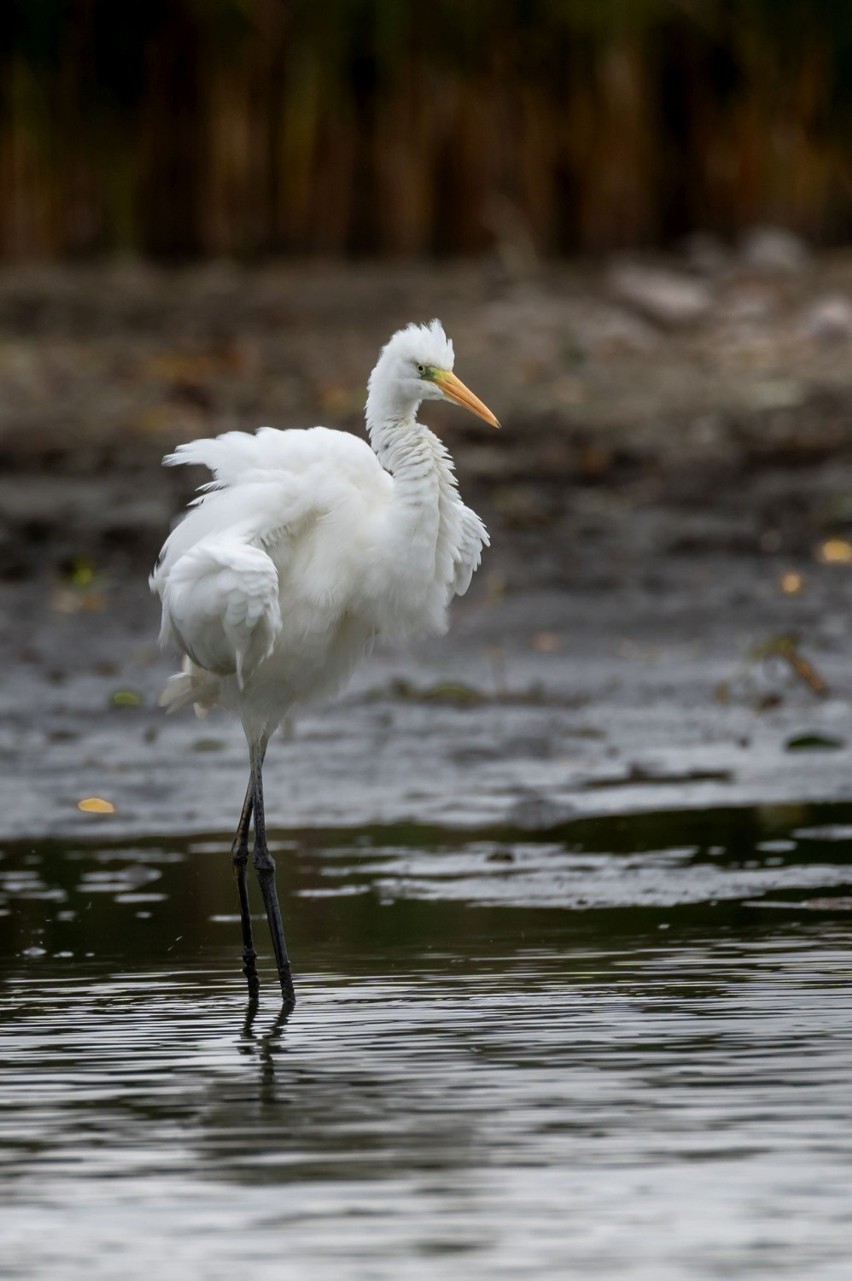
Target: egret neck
{"type": "Point", "coordinates": [423, 481]}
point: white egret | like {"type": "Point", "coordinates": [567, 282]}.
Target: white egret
{"type": "Point", "coordinates": [306, 547]}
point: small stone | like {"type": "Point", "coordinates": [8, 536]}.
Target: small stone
{"type": "Point", "coordinates": [773, 249]}
{"type": "Point", "coordinates": [611, 330]}
{"type": "Point", "coordinates": [706, 253]}
{"type": "Point", "coordinates": [669, 298]}
{"type": "Point", "coordinates": [828, 319]}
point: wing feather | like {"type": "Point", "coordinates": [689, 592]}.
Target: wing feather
{"type": "Point", "coordinates": [472, 537]}
{"type": "Point", "coordinates": [221, 604]}
{"type": "Point", "coordinates": [272, 485]}
{"type": "Point", "coordinates": [279, 504]}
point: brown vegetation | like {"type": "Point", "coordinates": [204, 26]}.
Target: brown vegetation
{"type": "Point", "coordinates": [266, 126]}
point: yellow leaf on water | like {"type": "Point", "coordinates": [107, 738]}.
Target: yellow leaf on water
{"type": "Point", "coordinates": [95, 805]}
{"type": "Point", "coordinates": [791, 583]}
{"type": "Point", "coordinates": [835, 551]}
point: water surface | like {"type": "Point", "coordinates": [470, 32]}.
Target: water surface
{"type": "Point", "coordinates": [621, 1048]}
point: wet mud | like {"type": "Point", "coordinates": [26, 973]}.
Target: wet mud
{"type": "Point", "coordinates": [662, 619]}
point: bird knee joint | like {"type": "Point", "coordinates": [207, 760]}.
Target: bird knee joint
{"type": "Point", "coordinates": [264, 863]}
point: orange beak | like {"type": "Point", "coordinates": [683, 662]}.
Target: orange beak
{"type": "Point", "coordinates": [454, 389]}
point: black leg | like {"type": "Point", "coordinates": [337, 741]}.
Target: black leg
{"type": "Point", "coordinates": [239, 856]}
{"type": "Point", "coordinates": [264, 865]}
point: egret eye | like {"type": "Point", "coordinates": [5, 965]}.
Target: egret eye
{"type": "Point", "coordinates": [421, 369]}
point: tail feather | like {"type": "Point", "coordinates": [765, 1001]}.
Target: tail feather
{"type": "Point", "coordinates": [190, 687]}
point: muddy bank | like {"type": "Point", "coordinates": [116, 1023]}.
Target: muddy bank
{"type": "Point", "coordinates": [669, 496]}
{"type": "Point", "coordinates": [711, 383]}
{"type": "Point", "coordinates": [541, 704]}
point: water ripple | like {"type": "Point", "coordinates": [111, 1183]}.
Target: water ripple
{"type": "Point", "coordinates": [645, 1080]}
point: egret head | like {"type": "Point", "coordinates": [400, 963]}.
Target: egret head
{"type": "Point", "coordinates": [416, 365]}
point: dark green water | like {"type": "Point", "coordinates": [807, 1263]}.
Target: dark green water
{"type": "Point", "coordinates": [622, 1049]}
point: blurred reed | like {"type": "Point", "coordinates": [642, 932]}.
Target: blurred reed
{"type": "Point", "coordinates": [382, 126]}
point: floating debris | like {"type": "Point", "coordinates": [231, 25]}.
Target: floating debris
{"type": "Point", "coordinates": [95, 805]}
{"type": "Point", "coordinates": [83, 590]}
{"type": "Point", "coordinates": [761, 684]}
{"type": "Point", "coordinates": [786, 648]}
{"type": "Point", "coordinates": [835, 551]}
{"type": "Point", "coordinates": [71, 600]}
{"type": "Point", "coordinates": [445, 692]}
{"type": "Point", "coordinates": [814, 743]}
{"type": "Point", "coordinates": [125, 698]}
{"type": "Point", "coordinates": [546, 642]}
{"type": "Point", "coordinates": [791, 583]}
{"type": "Point", "coordinates": [648, 775]}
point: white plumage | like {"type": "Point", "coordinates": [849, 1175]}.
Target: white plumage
{"type": "Point", "coordinates": [304, 549]}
